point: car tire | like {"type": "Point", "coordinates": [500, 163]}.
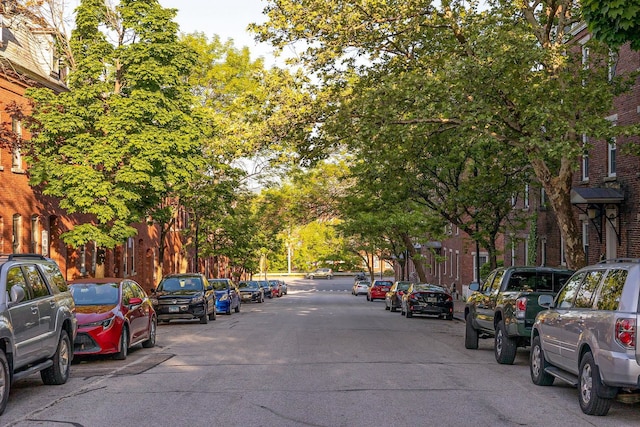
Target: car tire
{"type": "Point", "coordinates": [204, 319]}
{"type": "Point", "coordinates": [470, 334]}
{"type": "Point", "coordinates": [151, 342]}
{"type": "Point", "coordinates": [386, 307]}
{"type": "Point", "coordinates": [589, 384]}
{"type": "Point", "coordinates": [408, 314]}
{"type": "Point", "coordinates": [401, 310]}
{"type": "Point", "coordinates": [449, 317]}
{"type": "Point", "coordinates": [538, 364]}
{"type": "Point", "coordinates": [228, 312]}
{"type": "Point", "coordinates": [5, 381]}
{"type": "Point", "coordinates": [393, 308]}
{"type": "Point", "coordinates": [311, 277]}
{"type": "Point", "coordinates": [504, 347]}
{"type": "Point", "coordinates": [124, 345]}
{"type": "Point", "coordinates": [329, 277]}
{"type": "Point", "coordinates": [59, 372]}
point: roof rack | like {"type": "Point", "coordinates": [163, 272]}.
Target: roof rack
{"type": "Point", "coordinates": [11, 257]}
{"type": "Point", "coordinates": [619, 260]}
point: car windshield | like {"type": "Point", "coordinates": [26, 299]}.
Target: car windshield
{"type": "Point", "coordinates": [173, 284]}
{"type": "Point", "coordinates": [248, 285]}
{"type": "Point", "coordinates": [219, 285]}
{"type": "Point", "coordinates": [403, 286]}
{"type": "Point", "coordinates": [95, 293]}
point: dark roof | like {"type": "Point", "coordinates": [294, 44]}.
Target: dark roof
{"type": "Point", "coordinates": [595, 195]}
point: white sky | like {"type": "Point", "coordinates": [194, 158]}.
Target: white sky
{"type": "Point", "coordinates": [226, 18]}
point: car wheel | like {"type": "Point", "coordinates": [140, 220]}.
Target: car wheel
{"type": "Point", "coordinates": [537, 365]}
{"type": "Point", "coordinates": [470, 334]}
{"type": "Point", "coordinates": [588, 385]}
{"type": "Point", "coordinates": [393, 308]}
{"type": "Point", "coordinates": [5, 381]}
{"type": "Point", "coordinates": [151, 342]}
{"type": "Point", "coordinates": [386, 307]}
{"type": "Point", "coordinates": [408, 313]}
{"type": "Point", "coordinates": [329, 277]}
{"type": "Point", "coordinates": [449, 317]}
{"type": "Point", "coordinates": [503, 346]}
{"type": "Point", "coordinates": [204, 319]}
{"type": "Point", "coordinates": [229, 310]}
{"type": "Point", "coordinates": [311, 277]}
{"type": "Point", "coordinates": [124, 345]}
{"type": "Point", "coordinates": [59, 372]}
{"type": "Point", "coordinates": [402, 310]}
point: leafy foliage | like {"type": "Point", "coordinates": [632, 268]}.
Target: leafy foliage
{"type": "Point", "coordinates": [614, 22]}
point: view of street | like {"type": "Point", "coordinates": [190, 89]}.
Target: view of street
{"type": "Point", "coordinates": [318, 356]}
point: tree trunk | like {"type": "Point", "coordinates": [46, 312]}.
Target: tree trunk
{"type": "Point", "coordinates": [412, 255]}
{"type": "Point", "coordinates": [558, 190]}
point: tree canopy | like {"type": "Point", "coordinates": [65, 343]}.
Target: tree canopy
{"type": "Point", "coordinates": [614, 22]}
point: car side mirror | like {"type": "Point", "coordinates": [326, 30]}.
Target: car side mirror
{"type": "Point", "coordinates": [135, 301]}
{"type": "Point", "coordinates": [545, 301]}
{"type": "Point", "coordinates": [17, 294]}
{"type": "Point", "coordinates": [209, 288]}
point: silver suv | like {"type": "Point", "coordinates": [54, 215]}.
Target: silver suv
{"type": "Point", "coordinates": [326, 273]}
{"type": "Point", "coordinates": [587, 337]}
{"type": "Point", "coordinates": [37, 322]}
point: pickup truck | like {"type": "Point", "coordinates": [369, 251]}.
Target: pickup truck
{"type": "Point", "coordinates": [505, 306]}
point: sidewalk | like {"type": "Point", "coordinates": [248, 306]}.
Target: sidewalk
{"type": "Point", "coordinates": [458, 309]}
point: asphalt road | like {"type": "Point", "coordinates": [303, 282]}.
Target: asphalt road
{"type": "Point", "coordinates": [315, 357]}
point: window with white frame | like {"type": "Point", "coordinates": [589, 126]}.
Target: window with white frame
{"type": "Point", "coordinates": [612, 157]}
{"type": "Point", "coordinates": [613, 63]}
{"type": "Point", "coordinates": [16, 237]}
{"type": "Point", "coordinates": [444, 252]}
{"type": "Point", "coordinates": [543, 197]}
{"type": "Point", "coordinates": [585, 158]}
{"type": "Point", "coordinates": [526, 196]}
{"type": "Point", "coordinates": [16, 162]}
{"type": "Point", "coordinates": [513, 252]}
{"type": "Point", "coordinates": [451, 270]}
{"type": "Point", "coordinates": [483, 258]}
{"type": "Point", "coordinates": [457, 265]}
{"type": "Point", "coordinates": [35, 233]}
{"type": "Point", "coordinates": [563, 259]}
{"type": "Point", "coordinates": [585, 56]}
{"type": "Point", "coordinates": [585, 237]}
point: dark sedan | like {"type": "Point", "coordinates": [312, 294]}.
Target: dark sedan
{"type": "Point", "coordinates": [393, 298]}
{"type": "Point", "coordinates": [267, 288]}
{"type": "Point", "coordinates": [113, 314]}
{"type": "Point", "coordinates": [250, 291]}
{"type": "Point", "coordinates": [184, 296]}
{"type": "Point", "coordinates": [427, 299]}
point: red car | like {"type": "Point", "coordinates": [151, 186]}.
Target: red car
{"type": "Point", "coordinates": [379, 289]}
{"type": "Point", "coordinates": [113, 314]}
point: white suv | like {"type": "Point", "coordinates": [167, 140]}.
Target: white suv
{"type": "Point", "coordinates": [588, 336]}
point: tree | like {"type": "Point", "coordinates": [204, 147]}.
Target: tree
{"type": "Point", "coordinates": [614, 22]}
{"type": "Point", "coordinates": [123, 138]}
{"type": "Point", "coordinates": [509, 73]}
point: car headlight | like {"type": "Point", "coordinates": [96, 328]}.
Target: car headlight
{"type": "Point", "coordinates": [106, 323]}
{"type": "Point", "coordinates": [224, 297]}
{"type": "Point", "coordinates": [197, 299]}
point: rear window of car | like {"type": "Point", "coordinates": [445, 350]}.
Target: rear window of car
{"type": "Point", "coordinates": [534, 281]}
{"type": "Point", "coordinates": [612, 290]}
{"type": "Point", "coordinates": [381, 283]}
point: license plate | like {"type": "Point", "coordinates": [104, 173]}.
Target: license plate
{"type": "Point", "coordinates": [432, 299]}
{"type": "Point", "coordinates": [174, 309]}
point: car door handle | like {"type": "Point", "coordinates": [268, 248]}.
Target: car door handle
{"type": "Point", "coordinates": [52, 304]}
{"type": "Point", "coordinates": [34, 309]}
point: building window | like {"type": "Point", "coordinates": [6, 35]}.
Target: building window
{"type": "Point", "coordinates": [585, 238]}
{"type": "Point", "coordinates": [513, 252]}
{"type": "Point", "coordinates": [451, 261]}
{"type": "Point", "coordinates": [35, 233]}
{"type": "Point", "coordinates": [585, 158]}
{"type": "Point", "coordinates": [482, 259]}
{"type": "Point", "coordinates": [129, 257]}
{"type": "Point", "coordinates": [444, 253]}
{"type": "Point", "coordinates": [612, 157]}
{"type": "Point", "coordinates": [457, 265]}
{"type": "Point", "coordinates": [83, 260]}
{"type": "Point", "coordinates": [526, 196]}
{"type": "Point", "coordinates": [1, 234]}
{"type": "Point", "coordinates": [563, 259]}
{"type": "Point", "coordinates": [17, 227]}
{"type": "Point", "coordinates": [613, 63]}
{"type": "Point", "coordinates": [543, 198]}
{"type": "Point", "coordinates": [16, 162]}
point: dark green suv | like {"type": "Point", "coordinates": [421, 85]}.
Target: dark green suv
{"type": "Point", "coordinates": [37, 321]}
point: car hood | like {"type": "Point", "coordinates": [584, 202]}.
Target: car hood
{"type": "Point", "coordinates": [94, 313]}
{"type": "Point", "coordinates": [220, 293]}
{"type": "Point", "coordinates": [249, 289]}
{"type": "Point", "coordinates": [173, 294]}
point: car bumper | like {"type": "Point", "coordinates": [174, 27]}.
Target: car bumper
{"type": "Point", "coordinates": [250, 297]}
{"type": "Point", "coordinates": [619, 369]}
{"type": "Point", "coordinates": [223, 306]}
{"type": "Point", "coordinates": [431, 310]}
{"type": "Point", "coordinates": [171, 312]}
{"type": "Point", "coordinates": [96, 340]}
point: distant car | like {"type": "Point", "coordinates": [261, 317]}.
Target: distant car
{"type": "Point", "coordinates": [277, 288]}
{"type": "Point", "coordinates": [184, 296]}
{"type": "Point", "coordinates": [427, 299]}
{"type": "Point", "coordinates": [266, 287]}
{"type": "Point", "coordinates": [284, 287]}
{"type": "Point", "coordinates": [320, 273]}
{"type": "Point", "coordinates": [227, 295]}
{"type": "Point", "coordinates": [361, 287]}
{"type": "Point", "coordinates": [113, 315]}
{"type": "Point", "coordinates": [378, 289]}
{"type": "Point", "coordinates": [250, 291]}
{"type": "Point", "coordinates": [360, 276]}
{"type": "Point", "coordinates": [393, 298]}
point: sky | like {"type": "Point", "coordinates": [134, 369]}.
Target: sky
{"type": "Point", "coordinates": [227, 19]}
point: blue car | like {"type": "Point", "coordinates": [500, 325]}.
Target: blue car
{"type": "Point", "coordinates": [227, 295]}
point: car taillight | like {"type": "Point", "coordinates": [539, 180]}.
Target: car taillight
{"type": "Point", "coordinates": [626, 332]}
{"type": "Point", "coordinates": [521, 307]}
{"type": "Point", "coordinates": [449, 298]}
{"type": "Point", "coordinates": [400, 293]}
{"type": "Point", "coordinates": [414, 297]}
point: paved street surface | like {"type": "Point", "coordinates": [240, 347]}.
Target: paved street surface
{"type": "Point", "coordinates": [318, 356]}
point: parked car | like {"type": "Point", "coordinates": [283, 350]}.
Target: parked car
{"type": "Point", "coordinates": [320, 273]}
{"type": "Point", "coordinates": [361, 287]}
{"type": "Point", "coordinates": [184, 296]}
{"type": "Point", "coordinates": [284, 287]}
{"type": "Point", "coordinates": [588, 336]}
{"type": "Point", "coordinates": [37, 322]}
{"type": "Point", "coordinates": [276, 288]}
{"type": "Point", "coordinates": [227, 295]}
{"type": "Point", "coordinates": [393, 298]}
{"type": "Point", "coordinates": [378, 289]}
{"type": "Point", "coordinates": [359, 276]}
{"type": "Point", "coordinates": [505, 306]}
{"type": "Point", "coordinates": [250, 291]}
{"type": "Point", "coordinates": [113, 315]}
{"type": "Point", "coordinates": [267, 288]}
{"type": "Point", "coordinates": [427, 299]}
